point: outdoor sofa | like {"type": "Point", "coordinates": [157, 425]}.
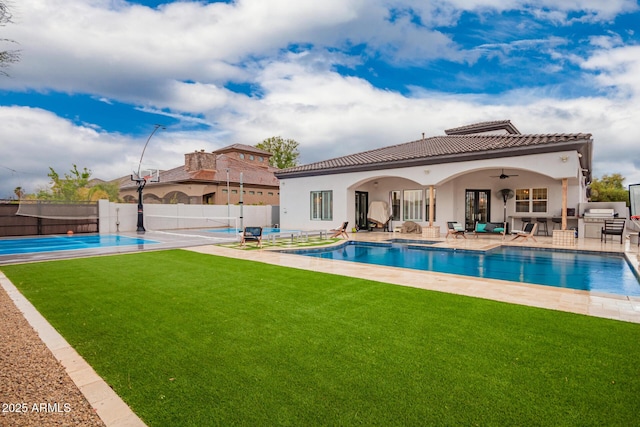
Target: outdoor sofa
{"type": "Point", "coordinates": [490, 228]}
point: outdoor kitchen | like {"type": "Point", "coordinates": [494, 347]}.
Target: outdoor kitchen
{"type": "Point", "coordinates": [592, 215]}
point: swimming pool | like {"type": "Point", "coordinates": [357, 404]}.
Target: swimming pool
{"type": "Point", "coordinates": [66, 243]}
{"type": "Point", "coordinates": [596, 272]}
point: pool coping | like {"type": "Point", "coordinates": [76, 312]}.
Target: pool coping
{"type": "Point", "coordinates": [634, 265]}
{"type": "Point", "coordinates": [609, 306]}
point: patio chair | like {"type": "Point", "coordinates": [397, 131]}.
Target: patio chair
{"type": "Point", "coordinates": [340, 231]}
{"type": "Point", "coordinates": [252, 234]}
{"type": "Point", "coordinates": [528, 232]}
{"type": "Point", "coordinates": [455, 229]}
{"type": "Point", "coordinates": [385, 227]}
{"type": "Point", "coordinates": [612, 227]}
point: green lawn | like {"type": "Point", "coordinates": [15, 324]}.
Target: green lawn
{"type": "Point", "coordinates": [193, 339]}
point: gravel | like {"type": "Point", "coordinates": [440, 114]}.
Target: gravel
{"type": "Point", "coordinates": [35, 390]}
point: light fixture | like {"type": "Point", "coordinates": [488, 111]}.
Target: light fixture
{"type": "Point", "coordinates": [427, 171]}
{"type": "Point", "coordinates": [564, 159]}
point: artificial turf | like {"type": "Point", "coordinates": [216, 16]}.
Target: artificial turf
{"type": "Point", "coordinates": [192, 339]}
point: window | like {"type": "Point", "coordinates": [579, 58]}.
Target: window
{"type": "Point", "coordinates": [259, 193]}
{"type": "Point", "coordinates": [234, 191]}
{"type": "Point", "coordinates": [412, 205]}
{"type": "Point", "coordinates": [252, 192]}
{"type": "Point", "coordinates": [395, 204]}
{"type": "Point", "coordinates": [322, 205]}
{"type": "Point", "coordinates": [426, 218]}
{"type": "Point", "coordinates": [224, 191]}
{"type": "Point", "coordinates": [531, 200]}
{"type": "Point", "coordinates": [250, 156]}
{"type": "Point", "coordinates": [270, 193]}
{"type": "Point", "coordinates": [260, 159]}
{"type": "Point", "coordinates": [241, 155]}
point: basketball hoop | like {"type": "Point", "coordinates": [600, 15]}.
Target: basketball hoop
{"type": "Point", "coordinates": [150, 175]}
{"type": "Point", "coordinates": [142, 182]}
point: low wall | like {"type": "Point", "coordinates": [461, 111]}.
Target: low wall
{"type": "Point", "coordinates": [116, 217]}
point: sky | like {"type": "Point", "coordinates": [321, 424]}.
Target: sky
{"type": "Point", "coordinates": [337, 76]}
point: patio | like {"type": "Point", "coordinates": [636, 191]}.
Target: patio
{"type": "Point", "coordinates": [623, 308]}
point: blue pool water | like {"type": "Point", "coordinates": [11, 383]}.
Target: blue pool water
{"type": "Point", "coordinates": [608, 273]}
{"type": "Point", "coordinates": [66, 243]}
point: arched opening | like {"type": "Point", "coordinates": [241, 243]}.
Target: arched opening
{"type": "Point", "coordinates": [151, 199]}
{"type": "Point", "coordinates": [175, 197]}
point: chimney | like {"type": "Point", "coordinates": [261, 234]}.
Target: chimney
{"type": "Point", "coordinates": [199, 160]}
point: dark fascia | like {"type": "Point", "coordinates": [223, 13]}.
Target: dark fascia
{"type": "Point", "coordinates": [584, 147]}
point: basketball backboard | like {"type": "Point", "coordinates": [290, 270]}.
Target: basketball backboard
{"type": "Point", "coordinates": [150, 175]}
{"type": "Point", "coordinates": [634, 199]}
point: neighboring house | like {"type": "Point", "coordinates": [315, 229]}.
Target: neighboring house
{"type": "Point", "coordinates": [213, 178]}
{"type": "Point", "coordinates": [454, 177]}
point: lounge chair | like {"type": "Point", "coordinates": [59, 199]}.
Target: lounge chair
{"type": "Point", "coordinates": [612, 227]}
{"type": "Point", "coordinates": [528, 232]}
{"type": "Point", "coordinates": [340, 231]}
{"type": "Point", "coordinates": [252, 234]}
{"type": "Point", "coordinates": [378, 215]}
{"type": "Point", "coordinates": [455, 229]}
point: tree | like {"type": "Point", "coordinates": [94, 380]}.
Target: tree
{"type": "Point", "coordinates": [609, 188]}
{"type": "Point", "coordinates": [75, 186]}
{"type": "Point", "coordinates": [7, 57]}
{"type": "Point", "coordinates": [66, 189]}
{"type": "Point", "coordinates": [285, 151]}
{"type": "Point", "coordinates": [105, 190]}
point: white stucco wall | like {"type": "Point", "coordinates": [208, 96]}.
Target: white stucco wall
{"type": "Point", "coordinates": [116, 217]}
{"type": "Point", "coordinates": [450, 180]}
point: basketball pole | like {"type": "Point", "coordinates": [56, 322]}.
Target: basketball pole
{"type": "Point", "coordinates": [142, 181]}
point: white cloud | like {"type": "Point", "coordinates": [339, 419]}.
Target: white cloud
{"type": "Point", "coordinates": [330, 115]}
{"type": "Point", "coordinates": [127, 52]}
{"type": "Point", "coordinates": [618, 67]}
{"type": "Point", "coordinates": [178, 58]}
{"type": "Point", "coordinates": [554, 10]}
{"type": "Point", "coordinates": [32, 140]}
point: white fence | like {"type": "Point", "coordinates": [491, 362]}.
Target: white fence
{"type": "Point", "coordinates": [116, 217]}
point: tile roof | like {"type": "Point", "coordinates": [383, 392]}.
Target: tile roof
{"type": "Point", "coordinates": [252, 174]}
{"type": "Point", "coordinates": [504, 125]}
{"type": "Point", "coordinates": [443, 149]}
{"type": "Point", "coordinates": [244, 148]}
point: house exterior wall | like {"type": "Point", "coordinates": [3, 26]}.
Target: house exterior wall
{"type": "Point", "coordinates": [194, 194]}
{"type": "Point", "coordinates": [450, 181]}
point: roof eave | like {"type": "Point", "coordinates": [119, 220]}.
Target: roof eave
{"type": "Point", "coordinates": [578, 145]}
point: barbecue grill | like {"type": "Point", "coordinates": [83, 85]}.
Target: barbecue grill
{"type": "Point", "coordinates": [594, 221]}
{"type": "Point", "coordinates": [598, 215]}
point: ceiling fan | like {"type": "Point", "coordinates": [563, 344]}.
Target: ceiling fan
{"type": "Point", "coordinates": [502, 175]}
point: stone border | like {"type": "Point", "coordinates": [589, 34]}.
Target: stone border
{"type": "Point", "coordinates": [109, 406]}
